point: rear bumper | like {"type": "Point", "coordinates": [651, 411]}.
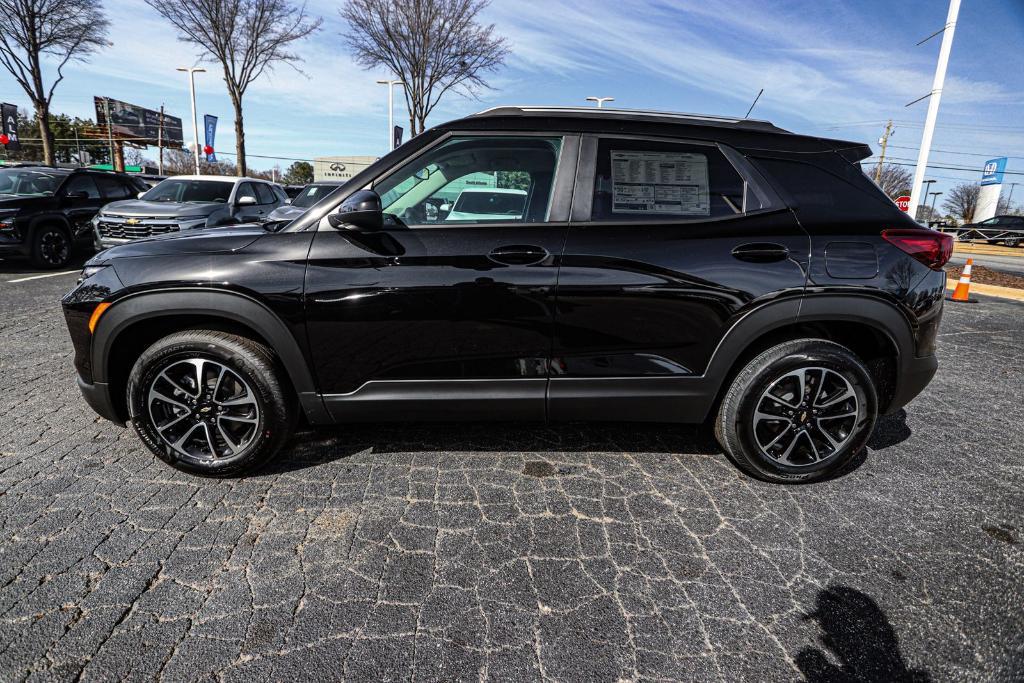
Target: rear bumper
{"type": "Point", "coordinates": [98, 397]}
{"type": "Point", "coordinates": [914, 377]}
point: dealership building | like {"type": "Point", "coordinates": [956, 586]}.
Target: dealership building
{"type": "Point", "coordinates": [339, 168]}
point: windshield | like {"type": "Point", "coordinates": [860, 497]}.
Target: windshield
{"type": "Point", "coordinates": [201, 191]}
{"type": "Point", "coordinates": [311, 194]}
{"type": "Point", "coordinates": [20, 182]}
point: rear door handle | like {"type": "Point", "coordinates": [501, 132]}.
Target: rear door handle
{"type": "Point", "coordinates": [761, 252]}
{"type": "Point", "coordinates": [518, 254]}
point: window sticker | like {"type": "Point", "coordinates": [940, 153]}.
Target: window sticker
{"type": "Point", "coordinates": [673, 183]}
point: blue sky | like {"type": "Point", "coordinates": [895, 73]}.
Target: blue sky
{"type": "Point", "coordinates": [838, 69]}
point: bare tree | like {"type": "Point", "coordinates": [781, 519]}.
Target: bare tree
{"type": "Point", "coordinates": [433, 46]}
{"type": "Point", "coordinates": [896, 180]}
{"type": "Point", "coordinates": [247, 38]}
{"type": "Point", "coordinates": [34, 30]}
{"type": "Point", "coordinates": [962, 200]}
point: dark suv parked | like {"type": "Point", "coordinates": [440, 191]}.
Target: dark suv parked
{"type": "Point", "coordinates": [664, 267]}
{"type": "Point", "coordinates": [45, 211]}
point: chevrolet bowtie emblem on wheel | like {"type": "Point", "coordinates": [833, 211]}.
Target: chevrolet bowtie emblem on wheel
{"type": "Point", "coordinates": [132, 221]}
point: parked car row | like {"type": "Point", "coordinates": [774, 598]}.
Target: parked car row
{"type": "Point", "coordinates": [45, 212]}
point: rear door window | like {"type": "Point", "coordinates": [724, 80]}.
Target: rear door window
{"type": "Point", "coordinates": [83, 183]}
{"type": "Point", "coordinates": [641, 180]}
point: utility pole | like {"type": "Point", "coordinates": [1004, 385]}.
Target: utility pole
{"type": "Point", "coordinates": [391, 111]}
{"type": "Point", "coordinates": [192, 71]}
{"type": "Point", "coordinates": [933, 103]}
{"type": "Point", "coordinates": [110, 133]}
{"type": "Point", "coordinates": [1010, 198]}
{"type": "Point", "coordinates": [884, 142]}
{"type": "Point", "coordinates": [160, 142]}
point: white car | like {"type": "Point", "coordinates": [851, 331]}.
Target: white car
{"type": "Point", "coordinates": [488, 204]}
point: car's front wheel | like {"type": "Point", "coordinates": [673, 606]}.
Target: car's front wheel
{"type": "Point", "coordinates": [799, 412]}
{"type": "Point", "coordinates": [210, 403]}
{"type": "Point", "coordinates": [51, 247]}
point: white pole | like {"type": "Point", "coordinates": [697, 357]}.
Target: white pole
{"type": "Point", "coordinates": [933, 106]}
{"type": "Point", "coordinates": [391, 111]}
{"type": "Point", "coordinates": [192, 71]}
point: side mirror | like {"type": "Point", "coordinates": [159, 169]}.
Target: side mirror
{"type": "Point", "coordinates": [288, 201]}
{"type": "Point", "coordinates": [245, 201]}
{"type": "Point", "coordinates": [361, 211]}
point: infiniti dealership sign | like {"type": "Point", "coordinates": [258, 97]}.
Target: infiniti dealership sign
{"type": "Point", "coordinates": [339, 168]}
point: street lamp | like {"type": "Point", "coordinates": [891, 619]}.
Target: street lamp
{"type": "Point", "coordinates": [600, 100]}
{"type": "Point", "coordinates": [391, 111]}
{"type": "Point", "coordinates": [192, 71]}
{"type": "Point", "coordinates": [934, 197]}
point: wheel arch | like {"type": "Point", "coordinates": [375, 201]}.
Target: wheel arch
{"type": "Point", "coordinates": [876, 330]}
{"type": "Point", "coordinates": [133, 323]}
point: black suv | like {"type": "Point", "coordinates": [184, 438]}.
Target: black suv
{"type": "Point", "coordinates": [45, 211]}
{"type": "Point", "coordinates": [662, 267]}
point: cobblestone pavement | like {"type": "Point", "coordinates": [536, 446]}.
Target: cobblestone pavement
{"type": "Point", "coordinates": [453, 552]}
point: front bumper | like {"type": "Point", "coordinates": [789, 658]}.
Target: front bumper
{"type": "Point", "coordinates": [11, 245]}
{"type": "Point", "coordinates": [98, 397]}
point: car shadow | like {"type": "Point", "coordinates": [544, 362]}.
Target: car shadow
{"type": "Point", "coordinates": [23, 267]}
{"type": "Point", "coordinates": [862, 643]}
{"type": "Point", "coordinates": [310, 448]}
{"type": "Point", "coordinates": [890, 430]}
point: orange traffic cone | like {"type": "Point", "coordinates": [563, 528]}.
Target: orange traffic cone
{"type": "Point", "coordinates": [963, 287]}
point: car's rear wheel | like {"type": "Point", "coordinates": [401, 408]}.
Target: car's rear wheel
{"type": "Point", "coordinates": [51, 247]}
{"type": "Point", "coordinates": [799, 412]}
{"type": "Point", "coordinates": [210, 403]}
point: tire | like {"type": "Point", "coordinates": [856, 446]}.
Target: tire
{"type": "Point", "coordinates": [823, 442]}
{"type": "Point", "coordinates": [239, 421]}
{"type": "Point", "coordinates": [51, 247]}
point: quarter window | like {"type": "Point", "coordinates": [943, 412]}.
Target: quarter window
{"type": "Point", "coordinates": [475, 179]}
{"type": "Point", "coordinates": [649, 179]}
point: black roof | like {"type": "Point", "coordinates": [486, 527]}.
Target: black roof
{"type": "Point", "coordinates": [746, 134]}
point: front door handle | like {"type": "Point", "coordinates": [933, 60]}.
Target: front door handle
{"type": "Point", "coordinates": [761, 252]}
{"type": "Point", "coordinates": [518, 254]}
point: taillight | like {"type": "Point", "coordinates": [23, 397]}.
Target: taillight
{"type": "Point", "coordinates": [930, 247]}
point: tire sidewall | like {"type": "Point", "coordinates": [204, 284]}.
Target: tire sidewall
{"type": "Point", "coordinates": [837, 360]}
{"type": "Point", "coordinates": [273, 418]}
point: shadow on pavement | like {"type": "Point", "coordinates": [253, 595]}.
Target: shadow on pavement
{"type": "Point", "coordinates": [857, 634]}
{"type": "Point", "coordinates": [18, 267]}
{"type": "Point", "coordinates": [890, 430]}
{"type": "Point", "coordinates": [311, 448]}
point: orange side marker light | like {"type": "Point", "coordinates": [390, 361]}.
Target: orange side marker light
{"type": "Point", "coordinates": [95, 317]}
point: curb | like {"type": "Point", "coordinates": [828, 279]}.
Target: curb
{"type": "Point", "coordinates": [991, 290]}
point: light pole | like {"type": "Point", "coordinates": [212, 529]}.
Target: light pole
{"type": "Point", "coordinates": [391, 111]}
{"type": "Point", "coordinates": [925, 191]}
{"type": "Point", "coordinates": [935, 196]}
{"type": "Point", "coordinates": [600, 100]}
{"type": "Point", "coordinates": [192, 71]}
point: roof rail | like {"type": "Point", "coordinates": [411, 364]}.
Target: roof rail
{"type": "Point", "coordinates": [593, 111]}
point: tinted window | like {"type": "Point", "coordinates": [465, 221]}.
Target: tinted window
{"type": "Point", "coordinates": [281, 194]}
{"type": "Point", "coordinates": [245, 190]}
{"type": "Point", "coordinates": [832, 190]}
{"type": "Point", "coordinates": [82, 183]}
{"type": "Point", "coordinates": [113, 188]}
{"type": "Point", "coordinates": [183, 190]}
{"type": "Point", "coordinates": [648, 179]}
{"type": "Point", "coordinates": [18, 182]}
{"type": "Point", "coordinates": [429, 190]}
{"type": "Point", "coordinates": [265, 194]}
{"type": "Point", "coordinates": [510, 202]}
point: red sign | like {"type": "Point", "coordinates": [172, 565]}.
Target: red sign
{"type": "Point", "coordinates": [903, 203]}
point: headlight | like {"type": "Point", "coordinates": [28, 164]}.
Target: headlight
{"type": "Point", "coordinates": [7, 218]}
{"type": "Point", "coordinates": [192, 223]}
{"type": "Point", "coordinates": [89, 271]}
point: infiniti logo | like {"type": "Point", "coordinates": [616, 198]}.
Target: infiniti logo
{"type": "Point", "coordinates": [337, 166]}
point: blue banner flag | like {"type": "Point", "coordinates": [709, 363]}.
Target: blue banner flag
{"type": "Point", "coordinates": [210, 124]}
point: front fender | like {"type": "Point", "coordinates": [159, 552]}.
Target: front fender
{"type": "Point", "coordinates": [216, 303]}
